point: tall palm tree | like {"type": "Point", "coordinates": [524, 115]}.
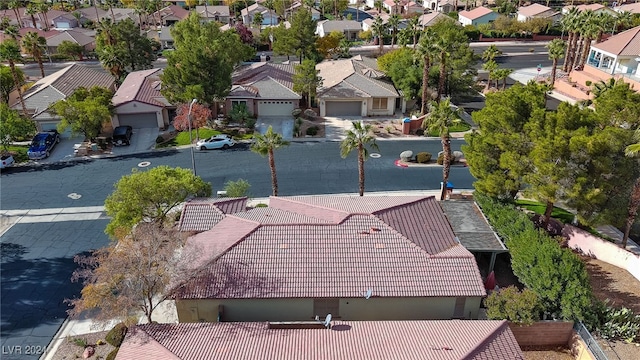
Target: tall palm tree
{"type": "Point", "coordinates": [378, 28]}
{"type": "Point", "coordinates": [269, 4]}
{"type": "Point", "coordinates": [556, 52]}
{"type": "Point", "coordinates": [265, 145]}
{"type": "Point", "coordinates": [604, 22]}
{"type": "Point", "coordinates": [441, 117]}
{"type": "Point", "coordinates": [359, 138]}
{"type": "Point", "coordinates": [44, 8]}
{"type": "Point", "coordinates": [32, 10]}
{"type": "Point", "coordinates": [35, 45]}
{"type": "Point", "coordinates": [632, 150]}
{"type": "Point", "coordinates": [426, 49]}
{"type": "Point", "coordinates": [394, 21]}
{"type": "Point", "coordinates": [15, 6]}
{"type": "Point", "coordinates": [414, 28]}
{"type": "Point", "coordinates": [490, 67]}
{"type": "Point", "coordinates": [502, 74]}
{"type": "Point", "coordinates": [10, 52]}
{"type": "Point", "coordinates": [588, 31]}
{"type": "Point", "coordinates": [570, 23]}
{"type": "Point", "coordinates": [622, 20]}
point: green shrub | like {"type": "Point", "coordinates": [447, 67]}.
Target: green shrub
{"type": "Point", "coordinates": [81, 342]}
{"type": "Point", "coordinates": [112, 355]}
{"type": "Point", "coordinates": [423, 157]}
{"type": "Point", "coordinates": [312, 131]}
{"type": "Point", "coordinates": [116, 335]}
{"type": "Point", "coordinates": [615, 323]}
{"type": "Point", "coordinates": [238, 188]}
{"type": "Point", "coordinates": [511, 304]}
{"type": "Point", "coordinates": [556, 275]}
{"type": "Point", "coordinates": [440, 159]}
{"type": "Point", "coordinates": [261, 205]}
{"type": "Point", "coordinates": [420, 132]}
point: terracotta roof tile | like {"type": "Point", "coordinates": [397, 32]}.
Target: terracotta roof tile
{"type": "Point", "coordinates": [376, 340]}
{"type": "Point", "coordinates": [626, 43]}
{"type": "Point", "coordinates": [143, 86]}
{"type": "Point", "coordinates": [271, 215]}
{"type": "Point", "coordinates": [202, 214]}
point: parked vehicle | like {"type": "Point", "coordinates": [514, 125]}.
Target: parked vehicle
{"type": "Point", "coordinates": [122, 135]}
{"type": "Point", "coordinates": [6, 161]}
{"type": "Point", "coordinates": [42, 144]}
{"type": "Point", "coordinates": [221, 141]}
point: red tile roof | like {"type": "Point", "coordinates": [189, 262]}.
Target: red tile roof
{"type": "Point", "coordinates": [202, 214]}
{"type": "Point", "coordinates": [396, 246]}
{"type": "Point", "coordinates": [357, 340]}
{"type": "Point", "coordinates": [142, 86]}
{"type": "Point", "coordinates": [533, 9]}
{"type": "Point", "coordinates": [249, 74]}
{"type": "Point", "coordinates": [626, 43]}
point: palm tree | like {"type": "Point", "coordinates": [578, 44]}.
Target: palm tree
{"type": "Point", "coordinates": [414, 28]}
{"type": "Point", "coordinates": [426, 50]}
{"type": "Point", "coordinates": [622, 20]}
{"type": "Point", "coordinates": [271, 6]}
{"type": "Point", "coordinates": [393, 23]}
{"type": "Point", "coordinates": [446, 44]}
{"type": "Point", "coordinates": [44, 8]}
{"type": "Point", "coordinates": [556, 52]}
{"type": "Point", "coordinates": [502, 74]}
{"type": "Point", "coordinates": [35, 45]}
{"type": "Point", "coordinates": [490, 67]}
{"type": "Point", "coordinates": [257, 21]}
{"type": "Point", "coordinates": [589, 29]}
{"type": "Point", "coordinates": [15, 5]}
{"type": "Point", "coordinates": [265, 145]}
{"type": "Point", "coordinates": [570, 23]}
{"type": "Point", "coordinates": [441, 117]}
{"type": "Point", "coordinates": [32, 11]}
{"type": "Point", "coordinates": [491, 52]}
{"type": "Point", "coordinates": [359, 138]}
{"type": "Point", "coordinates": [604, 22]}
{"type": "Point", "coordinates": [10, 52]}
{"type": "Point", "coordinates": [632, 150]}
{"type": "Point", "coordinates": [379, 28]}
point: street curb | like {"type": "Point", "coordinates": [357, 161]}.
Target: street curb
{"type": "Point", "coordinates": [57, 340]}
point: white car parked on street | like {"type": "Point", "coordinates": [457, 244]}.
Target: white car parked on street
{"type": "Point", "coordinates": [221, 141]}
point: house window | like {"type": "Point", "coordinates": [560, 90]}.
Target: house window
{"type": "Point", "coordinates": [379, 104]}
{"type": "Point", "coordinates": [235, 103]}
{"type": "Point", "coordinates": [323, 307]}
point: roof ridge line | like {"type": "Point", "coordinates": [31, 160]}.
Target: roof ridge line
{"type": "Point", "coordinates": [289, 199]}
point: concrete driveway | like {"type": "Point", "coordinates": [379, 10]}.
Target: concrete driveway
{"type": "Point", "coordinates": [281, 125]}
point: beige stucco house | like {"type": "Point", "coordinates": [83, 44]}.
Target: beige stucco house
{"type": "Point", "coordinates": [355, 87]}
{"type": "Point", "coordinates": [356, 258]}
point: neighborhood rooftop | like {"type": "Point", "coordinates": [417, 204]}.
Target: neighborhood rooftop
{"type": "Point", "coordinates": [357, 340]}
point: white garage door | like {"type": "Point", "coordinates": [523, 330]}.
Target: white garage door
{"type": "Point", "coordinates": [343, 108]}
{"type": "Point", "coordinates": [137, 121]}
{"type": "Point", "coordinates": [275, 108]}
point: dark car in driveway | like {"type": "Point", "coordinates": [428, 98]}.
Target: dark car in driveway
{"type": "Point", "coordinates": [122, 135]}
{"type": "Point", "coordinates": [42, 144]}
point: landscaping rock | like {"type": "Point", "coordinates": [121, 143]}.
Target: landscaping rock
{"type": "Point", "coordinates": [310, 113]}
{"type": "Point", "coordinates": [406, 155]}
{"type": "Point", "coordinates": [457, 156]}
{"type": "Point", "coordinates": [88, 352]}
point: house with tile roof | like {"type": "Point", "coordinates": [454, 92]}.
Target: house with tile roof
{"type": "Point", "coordinates": [202, 214]}
{"type": "Point", "coordinates": [269, 17]}
{"type": "Point", "coordinates": [353, 87]}
{"type": "Point", "coordinates": [139, 103]}
{"type": "Point", "coordinates": [535, 10]}
{"type": "Point", "coordinates": [596, 8]}
{"type": "Point", "coordinates": [343, 340]}
{"type": "Point", "coordinates": [442, 6]}
{"type": "Point", "coordinates": [218, 13]}
{"type": "Point", "coordinates": [350, 28]}
{"type": "Point", "coordinates": [616, 57]}
{"type": "Point", "coordinates": [357, 258]}
{"type": "Point", "coordinates": [266, 89]}
{"type": "Point", "coordinates": [297, 5]}
{"type": "Point", "coordinates": [169, 15]}
{"type": "Point", "coordinates": [477, 16]}
{"type": "Point", "coordinates": [633, 8]}
{"type": "Point", "coordinates": [58, 86]}
{"type": "Point", "coordinates": [65, 21]}
{"type": "Point", "coordinates": [432, 18]}
{"type": "Point", "coordinates": [75, 36]}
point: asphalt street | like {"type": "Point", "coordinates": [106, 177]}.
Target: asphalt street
{"type": "Point", "coordinates": [37, 256]}
{"type": "Point", "coordinates": [302, 168]}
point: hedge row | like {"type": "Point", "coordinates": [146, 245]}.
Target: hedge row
{"type": "Point", "coordinates": [555, 274]}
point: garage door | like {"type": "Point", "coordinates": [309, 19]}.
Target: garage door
{"type": "Point", "coordinates": [137, 121]}
{"type": "Point", "coordinates": [343, 108]}
{"type": "Point", "coordinates": [46, 126]}
{"type": "Point", "coordinates": [275, 108]}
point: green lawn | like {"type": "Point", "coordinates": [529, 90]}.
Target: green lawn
{"type": "Point", "coordinates": [183, 137]}
{"type": "Point", "coordinates": [460, 127]}
{"type": "Point", "coordinates": [557, 213]}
